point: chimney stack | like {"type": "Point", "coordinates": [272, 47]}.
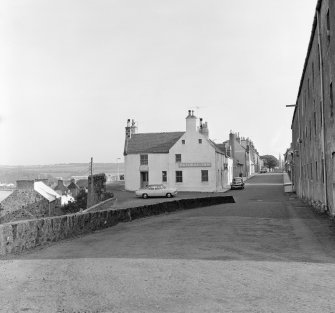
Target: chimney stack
{"type": "Point", "coordinates": [130, 128]}
{"type": "Point", "coordinates": [203, 129]}
{"type": "Point", "coordinates": [191, 122]}
{"type": "Point", "coordinates": [232, 144]}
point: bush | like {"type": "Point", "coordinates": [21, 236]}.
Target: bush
{"type": "Point", "coordinates": [107, 195]}
{"type": "Point", "coordinates": [79, 203]}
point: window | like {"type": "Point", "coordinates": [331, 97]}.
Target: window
{"type": "Point", "coordinates": [183, 141]}
{"type": "Point", "coordinates": [204, 175]}
{"type": "Point", "coordinates": [179, 176]}
{"type": "Point", "coordinates": [164, 176]}
{"type": "Point", "coordinates": [200, 140]}
{"type": "Point", "coordinates": [178, 157]}
{"type": "Point", "coordinates": [331, 99]}
{"type": "Point", "coordinates": [316, 171]}
{"type": "Point", "coordinates": [315, 123]}
{"type": "Point", "coordinates": [144, 159]}
{"type": "Point", "coordinates": [322, 171]}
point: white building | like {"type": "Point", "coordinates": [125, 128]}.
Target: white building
{"type": "Point", "coordinates": [187, 160]}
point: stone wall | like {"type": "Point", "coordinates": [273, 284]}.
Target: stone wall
{"type": "Point", "coordinates": [26, 204]}
{"type": "Point", "coordinates": [24, 235]}
{"type": "Point", "coordinates": [104, 205]}
{"type": "Point", "coordinates": [25, 184]}
{"type": "Point", "coordinates": [96, 194]}
{"type": "Point", "coordinates": [313, 131]}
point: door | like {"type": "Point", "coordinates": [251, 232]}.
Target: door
{"type": "Point", "coordinates": [144, 179]}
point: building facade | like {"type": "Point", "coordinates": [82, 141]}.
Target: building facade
{"type": "Point", "coordinates": [246, 158]}
{"type": "Point", "coordinates": [313, 135]}
{"type": "Point", "coordinates": [187, 160]}
{"type": "Point", "coordinates": [31, 199]}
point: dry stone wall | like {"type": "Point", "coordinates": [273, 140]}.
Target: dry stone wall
{"type": "Point", "coordinates": [24, 235]}
{"type": "Point", "coordinates": [26, 204]}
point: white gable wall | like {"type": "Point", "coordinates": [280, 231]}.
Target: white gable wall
{"type": "Point", "coordinates": [157, 162]}
{"type": "Point", "coordinates": [193, 152]}
{"type": "Point", "coordinates": [195, 157]}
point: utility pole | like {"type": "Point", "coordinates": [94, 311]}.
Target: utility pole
{"type": "Point", "coordinates": [118, 171]}
{"type": "Point", "coordinates": [92, 186]}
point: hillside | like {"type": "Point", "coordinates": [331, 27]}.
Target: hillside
{"type": "Point", "coordinates": [9, 174]}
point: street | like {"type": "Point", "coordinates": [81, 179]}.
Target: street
{"type": "Point", "coordinates": [268, 252]}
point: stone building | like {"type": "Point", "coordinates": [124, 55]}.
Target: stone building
{"type": "Point", "coordinates": [313, 133]}
{"type": "Point", "coordinates": [246, 158]}
{"type": "Point", "coordinates": [73, 188]}
{"type": "Point", "coordinates": [61, 188]}
{"type": "Point", "coordinates": [31, 199]}
{"type": "Point", "coordinates": [187, 160]}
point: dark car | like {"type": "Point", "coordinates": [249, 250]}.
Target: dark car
{"type": "Point", "coordinates": [237, 183]}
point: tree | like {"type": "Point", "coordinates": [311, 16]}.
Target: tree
{"type": "Point", "coordinates": [270, 161]}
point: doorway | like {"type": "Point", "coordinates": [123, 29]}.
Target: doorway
{"type": "Point", "coordinates": [144, 179]}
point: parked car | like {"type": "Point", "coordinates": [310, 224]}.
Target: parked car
{"type": "Point", "coordinates": [237, 183]}
{"type": "Point", "coordinates": [263, 170]}
{"type": "Point", "coordinates": [156, 191]}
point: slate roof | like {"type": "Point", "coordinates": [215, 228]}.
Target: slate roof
{"type": "Point", "coordinates": [73, 185]}
{"type": "Point", "coordinates": [82, 183]}
{"type": "Point", "coordinates": [152, 142]}
{"type": "Point", "coordinates": [221, 147]}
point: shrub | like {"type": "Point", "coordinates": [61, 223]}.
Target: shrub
{"type": "Point", "coordinates": [79, 203]}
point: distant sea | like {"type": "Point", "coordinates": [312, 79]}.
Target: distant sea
{"type": "Point", "coordinates": [4, 194]}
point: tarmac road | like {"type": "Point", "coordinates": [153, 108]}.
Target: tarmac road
{"type": "Point", "coordinates": [268, 252]}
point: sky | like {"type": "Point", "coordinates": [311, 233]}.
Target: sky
{"type": "Point", "coordinates": [73, 72]}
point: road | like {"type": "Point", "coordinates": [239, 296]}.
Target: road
{"type": "Point", "coordinates": [126, 199]}
{"type": "Point", "coordinates": [268, 252]}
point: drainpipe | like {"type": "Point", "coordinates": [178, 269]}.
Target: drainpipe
{"type": "Point", "coordinates": [322, 110]}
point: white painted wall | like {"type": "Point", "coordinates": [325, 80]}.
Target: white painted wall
{"type": "Point", "coordinates": [192, 151]}
{"type": "Point", "coordinates": [156, 164]}
{"type": "Point", "coordinates": [131, 171]}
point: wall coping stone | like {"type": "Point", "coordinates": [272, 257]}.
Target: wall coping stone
{"type": "Point", "coordinates": [19, 236]}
